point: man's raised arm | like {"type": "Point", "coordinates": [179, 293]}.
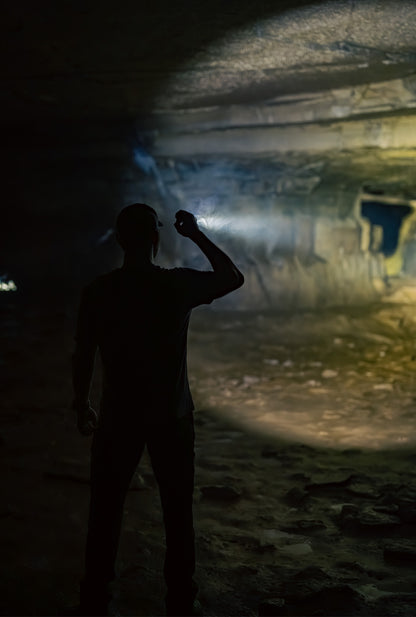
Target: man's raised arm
{"type": "Point", "coordinates": [228, 273]}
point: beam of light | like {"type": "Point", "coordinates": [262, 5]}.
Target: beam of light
{"type": "Point", "coordinates": [248, 225]}
{"type": "Point", "coordinates": [210, 217]}
{"type": "Point", "coordinates": [269, 233]}
{"type": "Point", "coordinates": [332, 428]}
{"type": "Point", "coordinates": [320, 421]}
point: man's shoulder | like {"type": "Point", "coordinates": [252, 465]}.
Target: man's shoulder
{"type": "Point", "coordinates": [102, 282]}
{"type": "Point", "coordinates": [185, 272]}
{"type": "Point", "coordinates": [180, 276]}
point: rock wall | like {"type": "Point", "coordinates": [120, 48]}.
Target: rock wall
{"type": "Point", "coordinates": [296, 234]}
{"type": "Point", "coordinates": [290, 221]}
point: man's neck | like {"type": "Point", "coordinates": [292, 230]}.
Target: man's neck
{"type": "Point", "coordinates": [137, 260]}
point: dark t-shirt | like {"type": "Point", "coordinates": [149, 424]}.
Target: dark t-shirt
{"type": "Point", "coordinates": [138, 318]}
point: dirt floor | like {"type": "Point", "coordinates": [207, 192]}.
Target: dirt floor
{"type": "Point", "coordinates": [305, 460]}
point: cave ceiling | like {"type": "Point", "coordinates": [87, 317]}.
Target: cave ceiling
{"type": "Point", "coordinates": [297, 81]}
{"type": "Point", "coordinates": [98, 58]}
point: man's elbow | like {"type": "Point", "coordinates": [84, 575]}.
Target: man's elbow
{"type": "Point", "coordinates": [229, 281]}
{"type": "Point", "coordinates": [239, 279]}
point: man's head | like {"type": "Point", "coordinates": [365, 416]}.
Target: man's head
{"type": "Point", "coordinates": [137, 228]}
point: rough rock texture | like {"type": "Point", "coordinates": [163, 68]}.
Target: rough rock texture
{"type": "Point", "coordinates": [273, 123]}
{"type": "Point", "coordinates": [88, 61]}
{"type": "Point", "coordinates": [295, 451]}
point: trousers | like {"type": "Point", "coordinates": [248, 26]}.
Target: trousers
{"type": "Point", "coordinates": [115, 453]}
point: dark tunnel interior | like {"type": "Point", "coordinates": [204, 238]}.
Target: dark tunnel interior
{"type": "Point", "coordinates": [288, 129]}
{"type": "Point", "coordinates": [390, 219]}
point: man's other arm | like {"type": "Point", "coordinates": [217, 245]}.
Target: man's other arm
{"type": "Point", "coordinates": [83, 361]}
{"type": "Point", "coordinates": [229, 276]}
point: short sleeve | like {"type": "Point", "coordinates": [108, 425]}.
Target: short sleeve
{"type": "Point", "coordinates": [200, 287]}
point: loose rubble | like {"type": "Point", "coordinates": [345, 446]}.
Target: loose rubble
{"type": "Point", "coordinates": [305, 495]}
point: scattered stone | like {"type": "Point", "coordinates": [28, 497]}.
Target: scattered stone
{"type": "Point", "coordinates": [296, 496]}
{"type": "Point", "coordinates": [337, 508]}
{"type": "Point", "coordinates": [297, 550]}
{"type": "Point", "coordinates": [396, 605]}
{"type": "Point", "coordinates": [400, 500]}
{"type": "Point", "coordinates": [230, 325]}
{"type": "Point", "coordinates": [280, 455]}
{"type": "Point", "coordinates": [271, 361]}
{"type": "Point", "coordinates": [272, 607]}
{"type": "Point", "coordinates": [312, 590]}
{"type": "Point", "coordinates": [212, 465]}
{"type": "Point", "coordinates": [307, 581]}
{"type": "Point", "coordinates": [353, 451]}
{"type": "Point", "coordinates": [250, 380]}
{"type": "Point", "coordinates": [363, 489]}
{"type": "Point", "coordinates": [312, 383]}
{"type": "Point", "coordinates": [405, 494]}
{"type": "Point", "coordinates": [308, 526]}
{"type": "Point", "coordinates": [388, 387]}
{"type": "Point", "coordinates": [387, 509]}
{"type": "Point", "coordinates": [329, 373]}
{"type": "Point", "coordinates": [341, 599]}
{"type": "Point", "coordinates": [372, 592]}
{"type": "Point", "coordinates": [352, 566]}
{"type": "Point", "coordinates": [220, 493]}
{"type": "Point", "coordinates": [367, 521]}
{"type": "Point", "coordinates": [318, 487]}
{"type": "Point", "coordinates": [407, 513]}
{"type": "Point", "coordinates": [400, 553]}
{"type": "Point", "coordinates": [274, 537]}
{"type": "Point", "coordinates": [232, 434]}
{"type": "Point", "coordinates": [269, 452]}
{"type": "Point", "coordinates": [299, 477]}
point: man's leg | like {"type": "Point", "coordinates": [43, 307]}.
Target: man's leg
{"type": "Point", "coordinates": [172, 454]}
{"type": "Point", "coordinates": [114, 457]}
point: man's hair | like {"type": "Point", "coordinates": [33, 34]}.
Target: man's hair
{"type": "Point", "coordinates": [135, 226]}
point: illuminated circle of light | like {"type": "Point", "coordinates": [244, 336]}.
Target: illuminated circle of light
{"type": "Point", "coordinates": [306, 37]}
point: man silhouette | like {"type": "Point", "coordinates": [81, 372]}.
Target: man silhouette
{"type": "Point", "coordinates": [137, 316]}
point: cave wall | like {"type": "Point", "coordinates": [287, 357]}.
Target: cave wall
{"type": "Point", "coordinates": [269, 122]}
{"type": "Point", "coordinates": [286, 209]}
{"type": "Point", "coordinates": [61, 201]}
{"type": "Point", "coordinates": [294, 231]}
{"type": "Point", "coordinates": [294, 234]}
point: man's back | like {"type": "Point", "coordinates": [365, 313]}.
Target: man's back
{"type": "Point", "coordinates": [138, 317]}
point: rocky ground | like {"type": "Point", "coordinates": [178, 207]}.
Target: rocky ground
{"type": "Point", "coordinates": [305, 454]}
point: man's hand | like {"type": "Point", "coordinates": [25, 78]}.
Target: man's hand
{"type": "Point", "coordinates": [87, 419]}
{"type": "Point", "coordinates": [186, 224]}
